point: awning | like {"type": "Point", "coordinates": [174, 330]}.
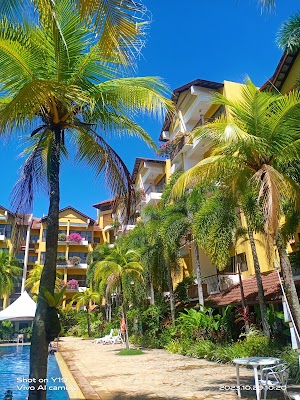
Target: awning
{"type": "Point", "coordinates": [23, 309]}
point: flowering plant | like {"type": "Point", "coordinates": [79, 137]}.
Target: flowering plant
{"type": "Point", "coordinates": [74, 237]}
{"type": "Point", "coordinates": [73, 284]}
{"type": "Point", "coordinates": [167, 148]}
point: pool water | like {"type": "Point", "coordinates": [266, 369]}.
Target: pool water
{"type": "Point", "coordinates": [14, 367]}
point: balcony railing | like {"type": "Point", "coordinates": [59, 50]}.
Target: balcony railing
{"type": "Point", "coordinates": [155, 188]}
{"type": "Point", "coordinates": [215, 284]}
{"type": "Point", "coordinates": [179, 145]}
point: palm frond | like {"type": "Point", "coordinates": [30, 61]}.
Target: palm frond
{"type": "Point", "coordinates": [288, 37]}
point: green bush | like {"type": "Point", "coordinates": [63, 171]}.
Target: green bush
{"type": "Point", "coordinates": [27, 332]}
{"type": "Point", "coordinates": [290, 357]}
{"type": "Point", "coordinates": [6, 330]}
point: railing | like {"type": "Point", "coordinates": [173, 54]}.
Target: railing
{"type": "Point", "coordinates": [179, 145]}
{"type": "Point", "coordinates": [155, 189]}
{"type": "Point", "coordinates": [220, 282]}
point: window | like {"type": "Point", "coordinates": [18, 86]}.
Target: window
{"type": "Point", "coordinates": [232, 267]}
{"type": "Point", "coordinates": [83, 256]}
{"type": "Point", "coordinates": [5, 230]}
{"type": "Point", "coordinates": [42, 257]}
{"type": "Point", "coordinates": [32, 258]}
{"type": "Point", "coordinates": [34, 238]}
{"type": "Point", "coordinates": [44, 235]}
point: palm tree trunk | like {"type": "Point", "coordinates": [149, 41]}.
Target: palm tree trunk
{"type": "Point", "coordinates": [124, 314]}
{"type": "Point", "coordinates": [260, 289]}
{"type": "Point", "coordinates": [40, 342]}
{"type": "Point", "coordinates": [199, 275]}
{"type": "Point", "coordinates": [88, 321]}
{"type": "Point", "coordinates": [152, 298]}
{"type": "Point", "coordinates": [289, 284]}
{"type": "Point", "coordinates": [244, 305]}
{"type": "Point", "coordinates": [170, 285]}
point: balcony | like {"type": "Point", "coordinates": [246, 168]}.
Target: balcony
{"type": "Point", "coordinates": [180, 145]}
{"type": "Point", "coordinates": [214, 284]}
{"type": "Point", "coordinates": [153, 193]}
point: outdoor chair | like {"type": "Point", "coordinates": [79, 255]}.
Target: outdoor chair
{"type": "Point", "coordinates": [275, 376]}
{"type": "Point", "coordinates": [104, 338]}
{"type": "Point", "coordinates": [116, 339]}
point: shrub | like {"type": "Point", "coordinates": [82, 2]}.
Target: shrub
{"type": "Point", "coordinates": [62, 237]}
{"type": "Point", "coordinates": [27, 332]}
{"type": "Point", "coordinates": [6, 330]}
{"type": "Point", "coordinates": [72, 284]}
{"type": "Point", "coordinates": [290, 357]}
{"type": "Point", "coordinates": [74, 237]}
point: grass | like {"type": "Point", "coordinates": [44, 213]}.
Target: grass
{"type": "Point", "coordinates": [130, 352]}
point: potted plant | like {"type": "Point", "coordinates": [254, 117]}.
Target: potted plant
{"type": "Point", "coordinates": [75, 260]}
{"type": "Point", "coordinates": [62, 237]}
{"type": "Point", "coordinates": [72, 284]}
{"type": "Point", "coordinates": [61, 260]}
{"type": "Point", "coordinates": [75, 238]}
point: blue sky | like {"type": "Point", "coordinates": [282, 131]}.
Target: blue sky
{"type": "Point", "coordinates": [206, 39]}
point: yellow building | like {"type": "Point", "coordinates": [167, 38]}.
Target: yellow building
{"type": "Point", "coordinates": [193, 102]}
{"type": "Point", "coordinates": [72, 250]}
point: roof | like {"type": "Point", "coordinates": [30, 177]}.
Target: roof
{"type": "Point", "coordinates": [138, 162]}
{"type": "Point", "coordinates": [105, 204]}
{"type": "Point", "coordinates": [281, 72]}
{"type": "Point", "coordinates": [36, 223]}
{"type": "Point", "coordinates": [175, 95]}
{"type": "Point", "coordinates": [92, 221]}
{"type": "Point", "coordinates": [232, 295]}
{"type": "Point", "coordinates": [22, 309]}
{"type": "Point", "coordinates": [5, 209]}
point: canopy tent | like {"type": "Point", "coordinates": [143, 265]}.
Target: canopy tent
{"type": "Point", "coordinates": [23, 309]}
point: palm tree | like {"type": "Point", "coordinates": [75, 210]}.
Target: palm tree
{"type": "Point", "coordinates": [67, 89]}
{"type": "Point", "coordinates": [34, 277]}
{"type": "Point", "coordinates": [121, 24]}
{"type": "Point", "coordinates": [256, 142]}
{"type": "Point", "coordinates": [289, 34]}
{"type": "Point", "coordinates": [117, 268]}
{"type": "Point", "coordinates": [84, 299]}
{"type": "Point", "coordinates": [9, 271]}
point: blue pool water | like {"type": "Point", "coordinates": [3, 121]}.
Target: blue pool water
{"type": "Point", "coordinates": [14, 367]}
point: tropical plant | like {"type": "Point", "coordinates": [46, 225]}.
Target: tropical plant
{"type": "Point", "coordinates": [289, 34]}
{"type": "Point", "coordinates": [34, 278]}
{"type": "Point", "coordinates": [120, 266]}
{"type": "Point", "coordinates": [9, 271]}
{"type": "Point", "coordinates": [84, 299]}
{"type": "Point", "coordinates": [255, 143]}
{"type": "Point", "coordinates": [60, 81]}
{"type": "Point", "coordinates": [120, 24]}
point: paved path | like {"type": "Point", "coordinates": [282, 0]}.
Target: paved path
{"type": "Point", "coordinates": [102, 374]}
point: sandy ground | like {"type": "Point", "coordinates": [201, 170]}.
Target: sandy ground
{"type": "Point", "coordinates": [102, 374]}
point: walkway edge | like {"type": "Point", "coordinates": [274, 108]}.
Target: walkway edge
{"type": "Point", "coordinates": [73, 389]}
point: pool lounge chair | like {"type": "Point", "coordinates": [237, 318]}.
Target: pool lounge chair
{"type": "Point", "coordinates": [105, 338]}
{"type": "Point", "coordinates": [116, 339]}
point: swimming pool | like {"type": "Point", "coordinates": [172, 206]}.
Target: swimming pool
{"type": "Point", "coordinates": [14, 366]}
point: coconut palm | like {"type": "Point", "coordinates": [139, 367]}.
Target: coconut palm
{"type": "Point", "coordinates": [69, 91]}
{"type": "Point", "coordinates": [255, 143]}
{"type": "Point", "coordinates": [289, 34]}
{"type": "Point", "coordinates": [34, 277]}
{"type": "Point", "coordinates": [121, 266]}
{"type": "Point", "coordinates": [84, 299]}
{"type": "Point", "coordinates": [9, 271]}
{"type": "Point", "coordinates": [121, 24]}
